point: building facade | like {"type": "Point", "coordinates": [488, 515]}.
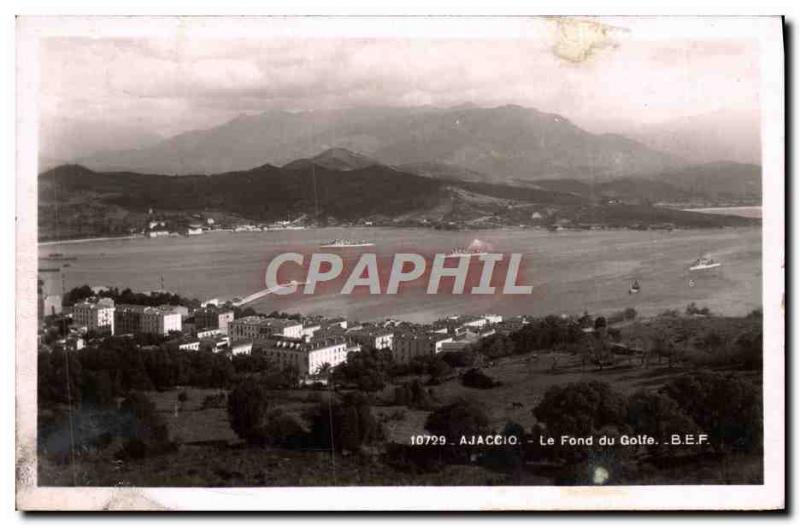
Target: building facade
{"type": "Point", "coordinates": [377, 338]}
{"type": "Point", "coordinates": [258, 328]}
{"type": "Point", "coordinates": [409, 345]}
{"type": "Point", "coordinates": [95, 316]}
{"type": "Point", "coordinates": [160, 320]}
{"type": "Point", "coordinates": [308, 358]}
{"type": "Point", "coordinates": [130, 319]}
{"type": "Point", "coordinates": [212, 318]}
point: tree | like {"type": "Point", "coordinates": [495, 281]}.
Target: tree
{"type": "Point", "coordinates": [658, 415]}
{"type": "Point", "coordinates": [460, 418]}
{"type": "Point", "coordinates": [368, 369]}
{"type": "Point", "coordinates": [728, 408]}
{"type": "Point", "coordinates": [248, 408]}
{"type": "Point", "coordinates": [508, 457]}
{"type": "Point", "coordinates": [143, 429]}
{"type": "Point", "coordinates": [413, 395]}
{"type": "Point", "coordinates": [344, 425]}
{"type": "Point", "coordinates": [580, 408]}
{"type": "Point", "coordinates": [478, 379]}
{"type": "Point", "coordinates": [458, 358]}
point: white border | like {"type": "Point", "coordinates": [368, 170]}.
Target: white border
{"type": "Point", "coordinates": [768, 496]}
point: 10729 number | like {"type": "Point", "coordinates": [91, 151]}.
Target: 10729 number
{"type": "Point", "coordinates": [428, 440]}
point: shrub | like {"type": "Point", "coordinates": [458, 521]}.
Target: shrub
{"type": "Point", "coordinates": [726, 407]}
{"type": "Point", "coordinates": [284, 430]}
{"type": "Point", "coordinates": [344, 425]}
{"type": "Point", "coordinates": [214, 401]}
{"type": "Point", "coordinates": [659, 416]}
{"type": "Point", "coordinates": [183, 396]}
{"type": "Point", "coordinates": [460, 418]}
{"type": "Point", "coordinates": [478, 379]}
{"type": "Point", "coordinates": [580, 408]}
{"type": "Point", "coordinates": [248, 406]}
{"type": "Point", "coordinates": [693, 310]}
{"type": "Point", "coordinates": [458, 358]}
{"type": "Point", "coordinates": [142, 428]}
{"type": "Point", "coordinates": [413, 395]}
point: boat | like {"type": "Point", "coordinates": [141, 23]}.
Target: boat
{"type": "Point", "coordinates": [476, 248]}
{"type": "Point", "coordinates": [635, 287]}
{"type": "Point", "coordinates": [465, 253]}
{"type": "Point", "coordinates": [704, 263]}
{"type": "Point", "coordinates": [347, 243]}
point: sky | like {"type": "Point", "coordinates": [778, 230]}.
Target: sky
{"type": "Point", "coordinates": [596, 78]}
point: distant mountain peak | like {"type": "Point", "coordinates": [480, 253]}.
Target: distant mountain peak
{"type": "Point", "coordinates": [340, 159]}
{"type": "Point", "coordinates": [74, 169]}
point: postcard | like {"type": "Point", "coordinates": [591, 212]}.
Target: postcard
{"type": "Point", "coordinates": [400, 263]}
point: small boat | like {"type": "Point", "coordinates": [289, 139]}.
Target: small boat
{"type": "Point", "coordinates": [465, 253]}
{"type": "Point", "coordinates": [635, 287]}
{"type": "Point", "coordinates": [476, 248]}
{"type": "Point", "coordinates": [347, 243]}
{"type": "Point", "coordinates": [704, 263]}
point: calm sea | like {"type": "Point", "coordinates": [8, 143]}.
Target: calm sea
{"type": "Point", "coordinates": [570, 271]}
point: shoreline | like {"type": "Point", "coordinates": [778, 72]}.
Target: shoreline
{"type": "Point", "coordinates": [85, 240]}
{"type": "Point", "coordinates": [510, 228]}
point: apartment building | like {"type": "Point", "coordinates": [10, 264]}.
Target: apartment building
{"type": "Point", "coordinates": [376, 337]}
{"type": "Point", "coordinates": [308, 358]}
{"type": "Point", "coordinates": [409, 344]}
{"type": "Point", "coordinates": [258, 328]}
{"type": "Point", "coordinates": [95, 315]}
{"type": "Point", "coordinates": [162, 320]}
{"type": "Point", "coordinates": [212, 318]}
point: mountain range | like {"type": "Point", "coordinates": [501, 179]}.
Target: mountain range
{"type": "Point", "coordinates": [339, 187]}
{"type": "Point", "coordinates": [502, 144]}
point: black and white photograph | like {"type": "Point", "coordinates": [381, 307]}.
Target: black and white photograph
{"type": "Point", "coordinates": [374, 259]}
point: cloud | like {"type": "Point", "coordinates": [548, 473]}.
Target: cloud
{"type": "Point", "coordinates": [590, 72]}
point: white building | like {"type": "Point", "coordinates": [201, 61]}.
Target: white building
{"type": "Point", "coordinates": [309, 330]}
{"type": "Point", "coordinates": [378, 338]}
{"type": "Point", "coordinates": [242, 348]}
{"type": "Point", "coordinates": [308, 358]}
{"type": "Point", "coordinates": [210, 333]}
{"type": "Point", "coordinates": [96, 316]}
{"type": "Point", "coordinates": [190, 346]}
{"type": "Point", "coordinates": [258, 328]}
{"type": "Point", "coordinates": [160, 320]}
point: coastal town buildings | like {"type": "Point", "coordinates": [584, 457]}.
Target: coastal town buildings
{"type": "Point", "coordinates": [377, 337]}
{"type": "Point", "coordinates": [409, 344]}
{"type": "Point", "coordinates": [95, 315]}
{"type": "Point", "coordinates": [211, 317]}
{"type": "Point", "coordinates": [257, 327]}
{"type": "Point", "coordinates": [162, 320]}
{"type": "Point", "coordinates": [308, 358]}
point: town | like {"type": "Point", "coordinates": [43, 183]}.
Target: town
{"type": "Point", "coordinates": [310, 345]}
{"type": "Point", "coordinates": [155, 388]}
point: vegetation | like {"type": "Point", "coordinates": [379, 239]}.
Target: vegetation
{"type": "Point", "coordinates": [676, 374]}
{"type": "Point", "coordinates": [127, 296]}
{"type": "Point", "coordinates": [77, 202]}
{"type": "Point", "coordinates": [478, 379]}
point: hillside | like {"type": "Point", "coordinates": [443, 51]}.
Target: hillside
{"type": "Point", "coordinates": [503, 143]}
{"type": "Point", "coordinates": [712, 184]}
{"type": "Point", "coordinates": [77, 202]}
